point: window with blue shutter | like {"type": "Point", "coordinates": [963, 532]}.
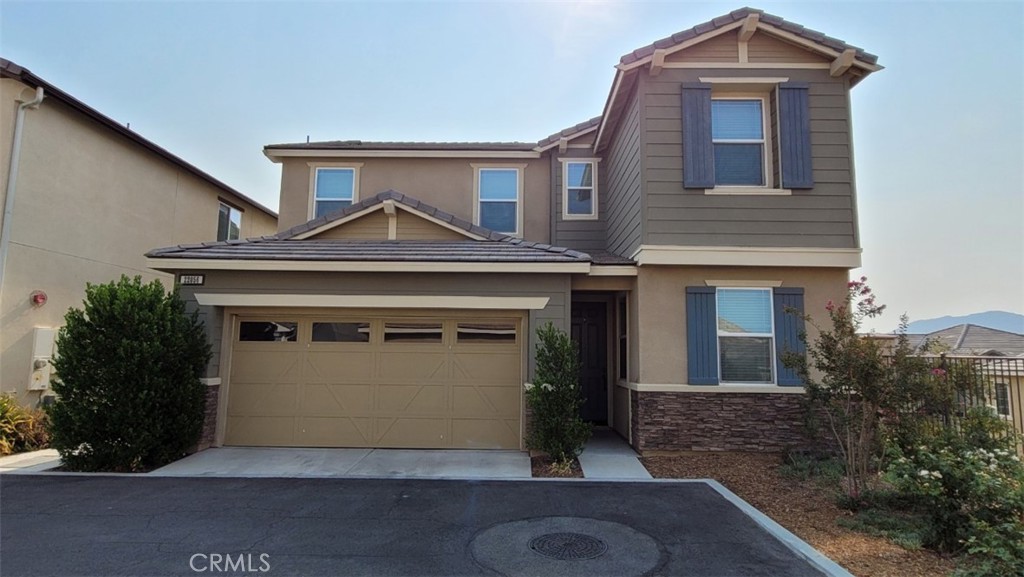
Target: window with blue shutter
{"type": "Point", "coordinates": [736, 335]}
{"type": "Point", "coordinates": [727, 141]}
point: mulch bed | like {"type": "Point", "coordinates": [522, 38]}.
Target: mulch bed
{"type": "Point", "coordinates": [805, 508]}
{"type": "Point", "coordinates": [541, 466]}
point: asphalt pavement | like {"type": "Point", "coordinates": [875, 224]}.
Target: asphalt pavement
{"type": "Point", "coordinates": [70, 525]}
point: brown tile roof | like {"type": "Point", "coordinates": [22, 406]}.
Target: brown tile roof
{"type": "Point", "coordinates": [568, 132]}
{"type": "Point", "coordinates": [401, 199]}
{"type": "Point", "coordinates": [968, 339]}
{"type": "Point", "coordinates": [736, 16]}
{"type": "Point", "coordinates": [12, 70]}
{"type": "Point", "coordinates": [496, 247]}
{"type": "Point", "coordinates": [367, 145]}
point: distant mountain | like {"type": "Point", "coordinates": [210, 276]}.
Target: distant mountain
{"type": "Point", "coordinates": [999, 320]}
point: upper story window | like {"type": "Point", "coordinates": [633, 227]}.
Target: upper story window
{"type": "Point", "coordinates": [579, 189]}
{"type": "Point", "coordinates": [746, 342]}
{"type": "Point", "coordinates": [229, 223]}
{"type": "Point", "coordinates": [738, 137]}
{"type": "Point", "coordinates": [499, 198]}
{"type": "Point", "coordinates": [333, 189]}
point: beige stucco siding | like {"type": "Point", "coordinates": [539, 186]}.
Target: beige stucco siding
{"type": "Point", "coordinates": [445, 183]}
{"type": "Point", "coordinates": [89, 203]}
{"type": "Point", "coordinates": [661, 309]}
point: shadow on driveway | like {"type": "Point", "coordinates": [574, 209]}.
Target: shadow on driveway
{"type": "Point", "coordinates": [105, 525]}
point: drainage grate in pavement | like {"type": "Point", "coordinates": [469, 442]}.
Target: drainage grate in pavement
{"type": "Point", "coordinates": [564, 546]}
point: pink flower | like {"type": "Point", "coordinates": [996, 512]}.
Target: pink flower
{"type": "Point", "coordinates": [830, 306]}
{"type": "Point", "coordinates": [939, 372]}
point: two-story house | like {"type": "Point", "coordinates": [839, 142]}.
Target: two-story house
{"type": "Point", "coordinates": [398, 304]}
{"type": "Point", "coordinates": [84, 196]}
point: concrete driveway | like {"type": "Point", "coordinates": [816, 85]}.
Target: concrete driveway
{"type": "Point", "coordinates": [144, 525]}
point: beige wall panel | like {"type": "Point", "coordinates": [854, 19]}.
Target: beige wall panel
{"type": "Point", "coordinates": [721, 48]}
{"type": "Point", "coordinates": [373, 226]}
{"type": "Point", "coordinates": [89, 203]}
{"type": "Point", "coordinates": [662, 309]}
{"type": "Point", "coordinates": [412, 227]}
{"type": "Point", "coordinates": [763, 47]}
{"type": "Point", "coordinates": [446, 183]}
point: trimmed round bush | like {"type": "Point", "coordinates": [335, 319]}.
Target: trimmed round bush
{"type": "Point", "coordinates": [127, 379]}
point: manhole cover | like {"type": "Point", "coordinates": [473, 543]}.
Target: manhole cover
{"type": "Point", "coordinates": [565, 546]}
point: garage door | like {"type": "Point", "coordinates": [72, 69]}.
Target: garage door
{"type": "Point", "coordinates": [401, 381]}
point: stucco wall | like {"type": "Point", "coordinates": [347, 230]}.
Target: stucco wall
{"type": "Point", "coordinates": [445, 183]}
{"type": "Point", "coordinates": [89, 203]}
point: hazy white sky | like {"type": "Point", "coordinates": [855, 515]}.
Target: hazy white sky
{"type": "Point", "coordinates": [939, 134]}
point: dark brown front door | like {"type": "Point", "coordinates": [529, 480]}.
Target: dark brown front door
{"type": "Point", "coordinates": [589, 326]}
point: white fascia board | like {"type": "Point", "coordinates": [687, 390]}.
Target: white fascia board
{"type": "Point", "coordinates": [175, 264]}
{"type": "Point", "coordinates": [748, 256]}
{"type": "Point", "coordinates": [371, 301]}
{"type": "Point", "coordinates": [280, 153]}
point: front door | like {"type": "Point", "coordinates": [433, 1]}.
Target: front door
{"type": "Point", "coordinates": [589, 326]}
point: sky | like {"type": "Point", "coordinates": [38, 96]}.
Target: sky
{"type": "Point", "coordinates": [938, 134]}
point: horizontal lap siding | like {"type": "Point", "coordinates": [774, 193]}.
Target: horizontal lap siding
{"type": "Point", "coordinates": [818, 217]}
{"type": "Point", "coordinates": [623, 168]}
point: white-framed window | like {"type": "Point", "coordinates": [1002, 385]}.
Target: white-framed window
{"type": "Point", "coordinates": [499, 193]}
{"type": "Point", "coordinates": [333, 188]}
{"type": "Point", "coordinates": [739, 135]}
{"type": "Point", "coordinates": [229, 222]}
{"type": "Point", "coordinates": [579, 189]}
{"type": "Point", "coordinates": [746, 336]}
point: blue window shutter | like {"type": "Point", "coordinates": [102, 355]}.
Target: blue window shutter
{"type": "Point", "coordinates": [698, 154]}
{"type": "Point", "coordinates": [795, 136]}
{"type": "Point", "coordinates": [787, 331]}
{"type": "Point", "coordinates": [701, 335]}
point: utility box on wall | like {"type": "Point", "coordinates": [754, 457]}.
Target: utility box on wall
{"type": "Point", "coordinates": [42, 353]}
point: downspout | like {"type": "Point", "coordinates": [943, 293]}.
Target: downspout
{"type": "Point", "coordinates": [12, 179]}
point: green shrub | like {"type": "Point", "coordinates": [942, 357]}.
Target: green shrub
{"type": "Point", "coordinates": [555, 398]}
{"type": "Point", "coordinates": [21, 429]}
{"type": "Point", "coordinates": [128, 390]}
{"type": "Point", "coordinates": [974, 496]}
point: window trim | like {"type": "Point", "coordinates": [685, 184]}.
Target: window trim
{"type": "Point", "coordinates": [231, 208]}
{"type": "Point", "coordinates": [314, 171]}
{"type": "Point", "coordinates": [1009, 406]}
{"type": "Point", "coordinates": [767, 142]}
{"type": "Point", "coordinates": [520, 174]}
{"type": "Point", "coordinates": [773, 382]}
{"type": "Point", "coordinates": [566, 215]}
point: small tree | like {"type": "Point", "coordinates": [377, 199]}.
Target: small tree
{"type": "Point", "coordinates": [555, 398]}
{"type": "Point", "coordinates": [128, 391]}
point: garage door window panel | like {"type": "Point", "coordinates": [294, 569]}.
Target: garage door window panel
{"type": "Point", "coordinates": [268, 331]}
{"type": "Point", "coordinates": [413, 332]}
{"type": "Point", "coordinates": [486, 332]}
{"type": "Point", "coordinates": [341, 332]}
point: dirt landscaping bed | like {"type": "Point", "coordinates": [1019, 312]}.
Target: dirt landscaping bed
{"type": "Point", "coordinates": [543, 466]}
{"type": "Point", "coordinates": [803, 507]}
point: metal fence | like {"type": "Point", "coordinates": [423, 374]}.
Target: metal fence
{"type": "Point", "coordinates": [976, 382]}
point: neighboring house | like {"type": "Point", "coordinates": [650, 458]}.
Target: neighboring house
{"type": "Point", "coordinates": [84, 197]}
{"type": "Point", "coordinates": [968, 339]}
{"type": "Point", "coordinates": [398, 304]}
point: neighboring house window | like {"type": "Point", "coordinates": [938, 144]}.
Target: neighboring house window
{"type": "Point", "coordinates": [746, 344]}
{"type": "Point", "coordinates": [333, 189]}
{"type": "Point", "coordinates": [738, 137]}
{"type": "Point", "coordinates": [579, 189]}
{"type": "Point", "coordinates": [1003, 399]}
{"type": "Point", "coordinates": [229, 223]}
{"type": "Point", "coordinates": [498, 198]}
{"type": "Point", "coordinates": [737, 335]}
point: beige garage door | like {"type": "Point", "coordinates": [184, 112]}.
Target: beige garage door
{"type": "Point", "coordinates": [409, 381]}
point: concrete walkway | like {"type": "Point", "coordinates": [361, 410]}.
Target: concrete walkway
{"type": "Point", "coordinates": [33, 462]}
{"type": "Point", "coordinates": [607, 456]}
{"type": "Point", "coordinates": [395, 463]}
